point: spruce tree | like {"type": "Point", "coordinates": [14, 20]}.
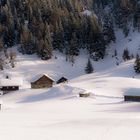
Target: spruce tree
{"type": "Point", "coordinates": [74, 50]}
{"type": "Point", "coordinates": [89, 68]}
{"type": "Point", "coordinates": [115, 53]}
{"type": "Point", "coordinates": [47, 49]}
{"type": "Point", "coordinates": [108, 30]}
{"type": "Point", "coordinates": [27, 42]}
{"type": "Point", "coordinates": [137, 64]}
{"type": "Point", "coordinates": [58, 38]}
{"type": "Point", "coordinates": [1, 64]}
{"type": "Point", "coordinates": [126, 55]}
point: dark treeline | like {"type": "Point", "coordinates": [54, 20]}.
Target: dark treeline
{"type": "Point", "coordinates": [41, 26]}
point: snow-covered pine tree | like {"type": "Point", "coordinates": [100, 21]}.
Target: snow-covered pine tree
{"type": "Point", "coordinates": [58, 37]}
{"type": "Point", "coordinates": [27, 41]}
{"type": "Point", "coordinates": [126, 55]}
{"type": "Point", "coordinates": [47, 45]}
{"type": "Point", "coordinates": [115, 53]}
{"type": "Point", "coordinates": [89, 68]}
{"type": "Point", "coordinates": [137, 64]}
{"type": "Point", "coordinates": [1, 64]}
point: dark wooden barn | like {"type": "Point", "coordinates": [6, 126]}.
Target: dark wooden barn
{"type": "Point", "coordinates": [62, 80]}
{"type": "Point", "coordinates": [132, 98]}
{"type": "Point", "coordinates": [135, 96]}
{"type": "Point", "coordinates": [42, 81]}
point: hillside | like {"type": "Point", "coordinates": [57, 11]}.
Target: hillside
{"type": "Point", "coordinates": [59, 38]}
{"type": "Point", "coordinates": [106, 72]}
{"type": "Point", "coordinates": [59, 113]}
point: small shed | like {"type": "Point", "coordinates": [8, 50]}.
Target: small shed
{"type": "Point", "coordinates": [134, 97]}
{"type": "Point", "coordinates": [42, 81]}
{"type": "Point", "coordinates": [8, 85]}
{"type": "Point", "coordinates": [62, 80]}
{"type": "Point", "coordinates": [84, 94]}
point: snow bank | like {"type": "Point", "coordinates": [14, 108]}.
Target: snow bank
{"type": "Point", "coordinates": [53, 93]}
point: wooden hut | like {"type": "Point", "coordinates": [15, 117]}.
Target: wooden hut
{"type": "Point", "coordinates": [84, 94]}
{"type": "Point", "coordinates": [8, 85]}
{"type": "Point", "coordinates": [135, 97]}
{"type": "Point", "coordinates": [42, 81]}
{"type": "Point", "coordinates": [62, 80]}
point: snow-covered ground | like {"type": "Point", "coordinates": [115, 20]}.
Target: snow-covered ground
{"type": "Point", "coordinates": [59, 113]}
{"type": "Point", "coordinates": [34, 115]}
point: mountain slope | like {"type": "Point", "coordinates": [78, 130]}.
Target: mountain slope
{"type": "Point", "coordinates": [59, 113]}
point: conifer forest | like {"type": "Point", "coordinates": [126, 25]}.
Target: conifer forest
{"type": "Point", "coordinates": [42, 26]}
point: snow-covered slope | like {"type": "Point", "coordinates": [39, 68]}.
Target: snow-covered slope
{"type": "Point", "coordinates": [28, 66]}
{"type": "Point", "coordinates": [114, 82]}
{"type": "Point", "coordinates": [59, 113]}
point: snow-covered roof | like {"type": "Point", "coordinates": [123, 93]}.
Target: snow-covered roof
{"type": "Point", "coordinates": [63, 77]}
{"type": "Point", "coordinates": [133, 92]}
{"type": "Point", "coordinates": [37, 77]}
{"type": "Point", "coordinates": [11, 82]}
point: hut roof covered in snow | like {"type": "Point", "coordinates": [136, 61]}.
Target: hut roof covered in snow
{"type": "Point", "coordinates": [37, 77]}
{"type": "Point", "coordinates": [11, 82]}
